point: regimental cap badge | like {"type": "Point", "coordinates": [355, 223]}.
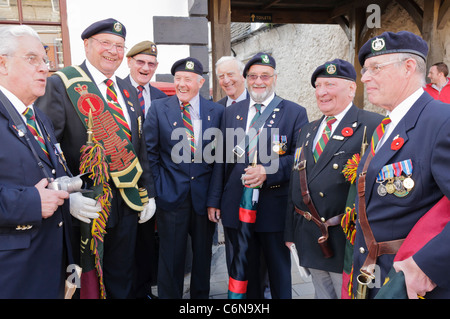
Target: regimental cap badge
{"type": "Point", "coordinates": [153, 48]}
{"type": "Point", "coordinates": [331, 69]}
{"type": "Point", "coordinates": [190, 65]}
{"type": "Point", "coordinates": [118, 27]}
{"type": "Point", "coordinates": [378, 44]}
{"type": "Point", "coordinates": [265, 58]}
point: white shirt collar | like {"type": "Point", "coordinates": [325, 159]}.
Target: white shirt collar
{"type": "Point", "coordinates": [98, 76]}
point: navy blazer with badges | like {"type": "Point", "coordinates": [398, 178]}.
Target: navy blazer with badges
{"type": "Point", "coordinates": [327, 186]}
{"type": "Point", "coordinates": [34, 252]}
{"type": "Point", "coordinates": [71, 132]}
{"type": "Point", "coordinates": [165, 132]}
{"type": "Point", "coordinates": [425, 129]}
{"type": "Point", "coordinates": [226, 188]}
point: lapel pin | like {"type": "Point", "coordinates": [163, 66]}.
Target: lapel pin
{"type": "Point", "coordinates": [354, 124]}
{"type": "Point", "coordinates": [174, 123]}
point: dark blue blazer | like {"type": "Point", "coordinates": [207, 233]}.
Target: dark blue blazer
{"type": "Point", "coordinates": [33, 256]}
{"type": "Point", "coordinates": [426, 132]}
{"type": "Point", "coordinates": [226, 186]}
{"type": "Point", "coordinates": [327, 186]}
{"type": "Point", "coordinates": [175, 174]}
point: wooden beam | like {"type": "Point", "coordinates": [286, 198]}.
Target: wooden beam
{"type": "Point", "coordinates": [357, 21]}
{"type": "Point", "coordinates": [414, 11]}
{"type": "Point", "coordinates": [429, 31]}
{"type": "Point", "coordinates": [283, 16]}
{"type": "Point", "coordinates": [444, 14]}
{"type": "Point", "coordinates": [220, 18]}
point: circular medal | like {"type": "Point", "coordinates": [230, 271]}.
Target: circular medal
{"type": "Point", "coordinates": [408, 183]}
{"type": "Point", "coordinates": [398, 184]}
{"type": "Point", "coordinates": [381, 190]}
{"type": "Point", "coordinates": [390, 188]}
{"type": "Point", "coordinates": [276, 148]}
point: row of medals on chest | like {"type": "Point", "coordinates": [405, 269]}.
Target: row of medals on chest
{"type": "Point", "coordinates": [392, 181]}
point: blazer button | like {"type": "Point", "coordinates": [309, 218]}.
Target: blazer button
{"type": "Point", "coordinates": [192, 177]}
{"type": "Point", "coordinates": [335, 166]}
{"type": "Point", "coordinates": [60, 224]}
{"type": "Point", "coordinates": [321, 194]}
{"type": "Point", "coordinates": [362, 250]}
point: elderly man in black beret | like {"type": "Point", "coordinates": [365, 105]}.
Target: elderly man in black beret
{"type": "Point", "coordinates": [405, 174]}
{"type": "Point", "coordinates": [181, 133]}
{"type": "Point", "coordinates": [323, 148]}
{"type": "Point", "coordinates": [93, 87]}
{"type": "Point", "coordinates": [142, 61]}
{"type": "Point", "coordinates": [278, 121]}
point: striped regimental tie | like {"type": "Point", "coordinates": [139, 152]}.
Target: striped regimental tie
{"type": "Point", "coordinates": [188, 124]}
{"type": "Point", "coordinates": [117, 111]}
{"type": "Point", "coordinates": [378, 134]}
{"type": "Point", "coordinates": [31, 125]}
{"type": "Point", "coordinates": [252, 145]}
{"type": "Point", "coordinates": [140, 89]}
{"type": "Point", "coordinates": [322, 142]}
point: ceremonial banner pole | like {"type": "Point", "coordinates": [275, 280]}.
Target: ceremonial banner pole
{"type": "Point", "coordinates": [237, 285]}
{"type": "Point", "coordinates": [349, 218]}
{"type": "Point", "coordinates": [93, 162]}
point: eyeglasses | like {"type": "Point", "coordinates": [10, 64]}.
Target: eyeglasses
{"type": "Point", "coordinates": [141, 63]}
{"type": "Point", "coordinates": [263, 77]}
{"type": "Point", "coordinates": [33, 59]}
{"type": "Point", "coordinates": [107, 45]}
{"type": "Point", "coordinates": [375, 69]}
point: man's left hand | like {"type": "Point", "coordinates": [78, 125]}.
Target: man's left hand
{"type": "Point", "coordinates": [255, 176]}
{"type": "Point", "coordinates": [417, 282]}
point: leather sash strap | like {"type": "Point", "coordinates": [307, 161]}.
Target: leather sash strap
{"type": "Point", "coordinates": [313, 214]}
{"type": "Point", "coordinates": [375, 249]}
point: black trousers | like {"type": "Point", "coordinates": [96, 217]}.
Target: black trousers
{"type": "Point", "coordinates": [268, 255]}
{"type": "Point", "coordinates": [173, 229]}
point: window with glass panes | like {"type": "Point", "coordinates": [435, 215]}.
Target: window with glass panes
{"type": "Point", "coordinates": [48, 18]}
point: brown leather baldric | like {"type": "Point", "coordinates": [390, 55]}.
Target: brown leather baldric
{"type": "Point", "coordinates": [313, 214]}
{"type": "Point", "coordinates": [375, 249]}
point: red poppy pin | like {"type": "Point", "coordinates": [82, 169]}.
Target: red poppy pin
{"type": "Point", "coordinates": [126, 94]}
{"type": "Point", "coordinates": [347, 131]}
{"type": "Point", "coordinates": [397, 143]}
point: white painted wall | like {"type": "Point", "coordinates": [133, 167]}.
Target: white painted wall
{"type": "Point", "coordinates": [136, 15]}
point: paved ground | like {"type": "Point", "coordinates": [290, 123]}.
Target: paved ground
{"type": "Point", "coordinates": [301, 288]}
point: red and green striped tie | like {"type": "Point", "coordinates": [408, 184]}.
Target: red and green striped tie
{"type": "Point", "coordinates": [322, 142]}
{"type": "Point", "coordinates": [188, 124]}
{"type": "Point", "coordinates": [378, 134]}
{"type": "Point", "coordinates": [31, 124]}
{"type": "Point", "coordinates": [140, 89]}
{"type": "Point", "coordinates": [252, 145]}
{"type": "Point", "coordinates": [117, 111]}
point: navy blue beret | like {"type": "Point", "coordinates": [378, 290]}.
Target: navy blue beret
{"type": "Point", "coordinates": [110, 25]}
{"type": "Point", "coordinates": [334, 69]}
{"type": "Point", "coordinates": [188, 65]}
{"type": "Point", "coordinates": [259, 59]}
{"type": "Point", "coordinates": [389, 42]}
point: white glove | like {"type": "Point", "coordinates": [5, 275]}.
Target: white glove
{"type": "Point", "coordinates": [148, 212]}
{"type": "Point", "coordinates": [84, 208]}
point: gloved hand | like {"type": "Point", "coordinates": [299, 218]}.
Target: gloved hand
{"type": "Point", "coordinates": [84, 208]}
{"type": "Point", "coordinates": [148, 212]}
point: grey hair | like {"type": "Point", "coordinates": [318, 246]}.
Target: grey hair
{"type": "Point", "coordinates": [421, 65]}
{"type": "Point", "coordinates": [227, 58]}
{"type": "Point", "coordinates": [10, 34]}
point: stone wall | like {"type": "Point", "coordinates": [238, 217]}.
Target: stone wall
{"type": "Point", "coordinates": [299, 48]}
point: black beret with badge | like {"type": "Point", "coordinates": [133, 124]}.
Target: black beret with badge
{"type": "Point", "coordinates": [144, 47]}
{"type": "Point", "coordinates": [390, 42]}
{"type": "Point", "coordinates": [111, 26]}
{"type": "Point", "coordinates": [334, 69]}
{"type": "Point", "coordinates": [188, 65]}
{"type": "Point", "coordinates": [260, 58]}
